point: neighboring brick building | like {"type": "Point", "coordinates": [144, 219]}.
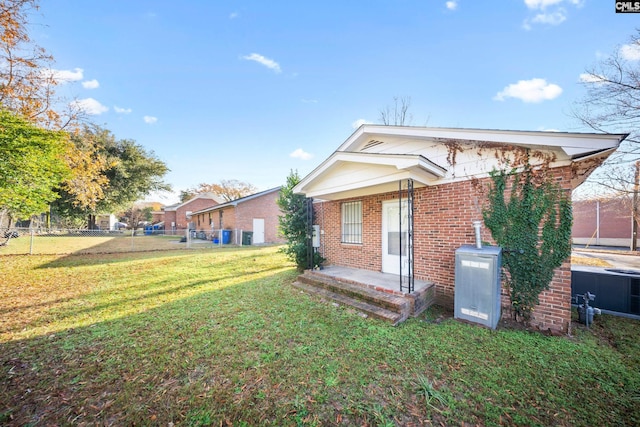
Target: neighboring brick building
{"type": "Point", "coordinates": [357, 193]}
{"type": "Point", "coordinates": [177, 218]}
{"type": "Point", "coordinates": [603, 222]}
{"type": "Point", "coordinates": [257, 214]}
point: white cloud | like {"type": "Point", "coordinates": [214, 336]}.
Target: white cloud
{"type": "Point", "coordinates": [90, 84]}
{"type": "Point", "coordinates": [301, 154]}
{"type": "Point", "coordinates": [555, 18]}
{"type": "Point", "coordinates": [310, 101]}
{"type": "Point", "coordinates": [452, 5]}
{"type": "Point", "coordinates": [541, 4]}
{"type": "Point", "coordinates": [631, 52]}
{"type": "Point", "coordinates": [269, 63]}
{"type": "Point", "coordinates": [359, 123]}
{"type": "Point", "coordinates": [122, 110]}
{"type": "Point", "coordinates": [591, 78]}
{"type": "Point", "coordinates": [150, 119]}
{"type": "Point", "coordinates": [233, 15]}
{"type": "Point", "coordinates": [534, 90]}
{"type": "Point", "coordinates": [89, 106]}
{"type": "Point", "coordinates": [63, 76]}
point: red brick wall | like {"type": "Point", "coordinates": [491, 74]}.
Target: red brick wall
{"type": "Point", "coordinates": [179, 216]}
{"type": "Point", "coordinates": [263, 207]}
{"type": "Point", "coordinates": [241, 217]}
{"type": "Point", "coordinates": [223, 218]}
{"type": "Point", "coordinates": [169, 218]}
{"type": "Point", "coordinates": [157, 216]}
{"type": "Point", "coordinates": [443, 218]}
{"type": "Point", "coordinates": [615, 219]}
{"type": "Point", "coordinates": [584, 218]}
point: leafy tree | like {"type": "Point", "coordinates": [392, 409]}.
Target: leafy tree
{"type": "Point", "coordinates": [228, 189]}
{"type": "Point", "coordinates": [31, 165]}
{"type": "Point", "coordinates": [131, 172]}
{"type": "Point", "coordinates": [186, 195]}
{"type": "Point", "coordinates": [89, 163]}
{"type": "Point", "coordinates": [136, 214]}
{"type": "Point", "coordinates": [27, 83]}
{"type": "Point", "coordinates": [532, 222]}
{"type": "Point", "coordinates": [294, 224]}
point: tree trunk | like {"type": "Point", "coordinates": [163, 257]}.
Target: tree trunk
{"type": "Point", "coordinates": [91, 222]}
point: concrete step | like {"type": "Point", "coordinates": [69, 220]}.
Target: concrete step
{"type": "Point", "coordinates": [369, 309]}
{"type": "Point", "coordinates": [385, 300]}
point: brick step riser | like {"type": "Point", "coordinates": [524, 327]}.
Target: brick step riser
{"type": "Point", "coordinates": [327, 294]}
{"type": "Point", "coordinates": [335, 286]}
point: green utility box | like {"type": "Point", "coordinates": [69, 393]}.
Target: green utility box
{"type": "Point", "coordinates": [247, 238]}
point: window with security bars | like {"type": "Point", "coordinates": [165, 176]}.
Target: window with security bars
{"type": "Point", "coordinates": [352, 222]}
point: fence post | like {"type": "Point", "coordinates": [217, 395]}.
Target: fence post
{"type": "Point", "coordinates": [31, 243]}
{"type": "Point", "coordinates": [188, 238]}
{"type": "Point", "coordinates": [133, 233]}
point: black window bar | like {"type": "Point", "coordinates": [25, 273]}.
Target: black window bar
{"type": "Point", "coordinates": [407, 280]}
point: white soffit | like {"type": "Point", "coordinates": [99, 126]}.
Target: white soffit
{"type": "Point", "coordinates": [383, 171]}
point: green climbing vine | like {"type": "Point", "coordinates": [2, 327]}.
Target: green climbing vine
{"type": "Point", "coordinates": [532, 223]}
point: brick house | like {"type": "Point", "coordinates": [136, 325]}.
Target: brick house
{"type": "Point", "coordinates": [177, 218]}
{"type": "Point", "coordinates": [606, 222]}
{"type": "Point", "coordinates": [358, 189]}
{"type": "Point", "coordinates": [257, 214]}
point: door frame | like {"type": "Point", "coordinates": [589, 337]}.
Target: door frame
{"type": "Point", "coordinates": [390, 262]}
{"type": "Point", "coordinates": [255, 234]}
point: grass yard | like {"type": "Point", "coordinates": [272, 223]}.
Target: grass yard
{"type": "Point", "coordinates": [219, 337]}
{"type": "Point", "coordinates": [108, 243]}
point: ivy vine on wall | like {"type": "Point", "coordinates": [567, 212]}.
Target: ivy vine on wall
{"type": "Point", "coordinates": [530, 217]}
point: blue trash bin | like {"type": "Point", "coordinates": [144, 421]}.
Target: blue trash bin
{"type": "Point", "coordinates": [226, 237]}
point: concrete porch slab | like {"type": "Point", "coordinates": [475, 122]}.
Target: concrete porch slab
{"type": "Point", "coordinates": [373, 279]}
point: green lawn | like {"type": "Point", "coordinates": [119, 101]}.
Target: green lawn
{"type": "Point", "coordinates": [45, 244]}
{"type": "Point", "coordinates": [219, 337]}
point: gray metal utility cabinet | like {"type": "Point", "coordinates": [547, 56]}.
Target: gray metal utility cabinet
{"type": "Point", "coordinates": [477, 284]}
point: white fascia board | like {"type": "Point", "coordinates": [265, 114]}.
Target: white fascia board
{"type": "Point", "coordinates": [572, 143]}
{"type": "Point", "coordinates": [418, 165]}
{"type": "Point", "coordinates": [368, 186]}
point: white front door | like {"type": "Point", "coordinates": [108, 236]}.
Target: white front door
{"type": "Point", "coordinates": [394, 234]}
{"type": "Point", "coordinates": [258, 230]}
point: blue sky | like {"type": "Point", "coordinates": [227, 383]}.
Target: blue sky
{"type": "Point", "coordinates": [250, 90]}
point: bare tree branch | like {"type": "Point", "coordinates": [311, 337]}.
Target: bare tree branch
{"type": "Point", "coordinates": [398, 114]}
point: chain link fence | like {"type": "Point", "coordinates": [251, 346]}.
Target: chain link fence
{"type": "Point", "coordinates": [20, 241]}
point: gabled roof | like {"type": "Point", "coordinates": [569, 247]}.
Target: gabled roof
{"type": "Point", "coordinates": [210, 196]}
{"type": "Point", "coordinates": [375, 157]}
{"type": "Point", "coordinates": [237, 201]}
{"type": "Point", "coordinates": [574, 144]}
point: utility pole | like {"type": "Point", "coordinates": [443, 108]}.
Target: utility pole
{"type": "Point", "coordinates": [634, 212]}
